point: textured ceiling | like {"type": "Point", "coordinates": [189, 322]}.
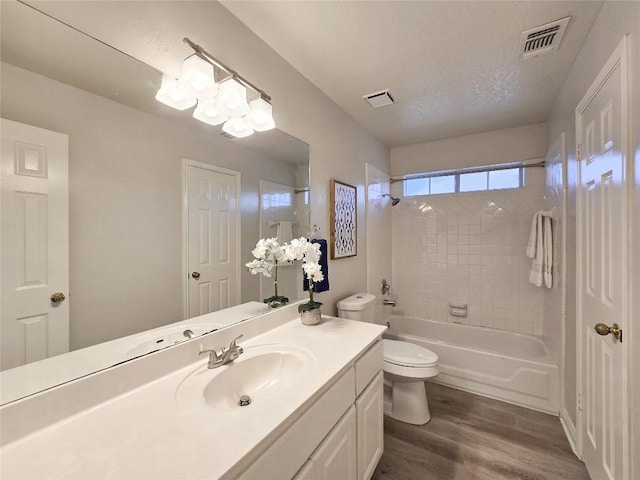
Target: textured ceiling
{"type": "Point", "coordinates": [453, 67]}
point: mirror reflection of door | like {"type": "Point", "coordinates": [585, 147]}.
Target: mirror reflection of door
{"type": "Point", "coordinates": [35, 244]}
{"type": "Point", "coordinates": [213, 238]}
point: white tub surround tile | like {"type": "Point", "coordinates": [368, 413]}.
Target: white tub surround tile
{"type": "Point", "coordinates": [469, 248]}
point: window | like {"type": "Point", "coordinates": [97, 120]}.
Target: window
{"type": "Point", "coordinates": [475, 179]}
{"type": "Point", "coordinates": [276, 199]}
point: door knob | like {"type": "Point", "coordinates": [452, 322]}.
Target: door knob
{"type": "Point", "coordinates": [195, 275]}
{"type": "Point", "coordinates": [603, 329]}
{"type": "Point", "coordinates": [57, 297]}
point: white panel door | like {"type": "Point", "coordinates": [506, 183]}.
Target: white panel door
{"type": "Point", "coordinates": [213, 239]}
{"type": "Point", "coordinates": [370, 422]}
{"type": "Point", "coordinates": [602, 271]}
{"type": "Point", "coordinates": [335, 458]}
{"type": "Point", "coordinates": [35, 244]}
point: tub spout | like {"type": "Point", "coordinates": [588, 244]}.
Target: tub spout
{"type": "Point", "coordinates": [389, 302]}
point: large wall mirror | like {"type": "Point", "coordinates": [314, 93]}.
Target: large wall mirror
{"type": "Point", "coordinates": [135, 169]}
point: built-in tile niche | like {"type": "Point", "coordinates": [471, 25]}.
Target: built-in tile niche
{"type": "Point", "coordinates": [469, 248]}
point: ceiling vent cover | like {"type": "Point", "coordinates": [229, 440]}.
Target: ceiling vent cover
{"type": "Point", "coordinates": [544, 39]}
{"type": "Point", "coordinates": [379, 99]}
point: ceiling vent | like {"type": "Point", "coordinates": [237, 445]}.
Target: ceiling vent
{"type": "Point", "coordinates": [544, 39]}
{"type": "Point", "coordinates": [379, 99]}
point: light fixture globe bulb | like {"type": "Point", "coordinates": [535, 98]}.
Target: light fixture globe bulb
{"type": "Point", "coordinates": [260, 115]}
{"type": "Point", "coordinates": [170, 95]}
{"type": "Point", "coordinates": [232, 98]}
{"type": "Point", "coordinates": [197, 79]}
{"type": "Point", "coordinates": [237, 128]}
{"type": "Point", "coordinates": [207, 112]}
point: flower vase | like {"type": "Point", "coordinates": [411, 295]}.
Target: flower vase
{"type": "Point", "coordinates": [311, 317]}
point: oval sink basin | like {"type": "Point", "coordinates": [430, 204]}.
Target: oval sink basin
{"type": "Point", "coordinates": [263, 372]}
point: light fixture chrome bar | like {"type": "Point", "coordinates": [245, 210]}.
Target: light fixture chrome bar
{"type": "Point", "coordinates": [207, 57]}
{"type": "Point", "coordinates": [445, 173]}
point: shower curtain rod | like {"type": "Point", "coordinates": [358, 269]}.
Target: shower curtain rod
{"type": "Point", "coordinates": [445, 173]}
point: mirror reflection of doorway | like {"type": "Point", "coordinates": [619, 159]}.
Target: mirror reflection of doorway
{"type": "Point", "coordinates": [212, 238]}
{"type": "Point", "coordinates": [35, 244]}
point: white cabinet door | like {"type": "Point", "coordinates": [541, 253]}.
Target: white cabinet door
{"type": "Point", "coordinates": [370, 417]}
{"type": "Point", "coordinates": [307, 472]}
{"type": "Point", "coordinates": [336, 456]}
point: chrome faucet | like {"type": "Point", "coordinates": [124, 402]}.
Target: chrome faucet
{"type": "Point", "coordinates": [226, 355]}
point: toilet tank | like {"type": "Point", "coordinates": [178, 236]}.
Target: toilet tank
{"type": "Point", "coordinates": [359, 306]}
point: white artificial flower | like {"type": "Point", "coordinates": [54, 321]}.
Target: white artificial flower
{"type": "Point", "coordinates": [312, 252]}
{"type": "Point", "coordinates": [313, 271]}
{"type": "Point", "coordinates": [297, 247]}
{"type": "Point", "coordinates": [267, 253]}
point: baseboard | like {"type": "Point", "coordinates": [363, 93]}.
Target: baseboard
{"type": "Point", "coordinates": [569, 431]}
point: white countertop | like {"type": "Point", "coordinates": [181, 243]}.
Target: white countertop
{"type": "Point", "coordinates": [145, 433]}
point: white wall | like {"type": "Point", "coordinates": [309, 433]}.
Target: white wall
{"type": "Point", "coordinates": [488, 148]}
{"type": "Point", "coordinates": [125, 188]}
{"type": "Point", "coordinates": [614, 21]}
{"type": "Point", "coordinates": [469, 247]}
{"type": "Point", "coordinates": [339, 147]}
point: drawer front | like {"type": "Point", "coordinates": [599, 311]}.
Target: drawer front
{"type": "Point", "coordinates": [368, 366]}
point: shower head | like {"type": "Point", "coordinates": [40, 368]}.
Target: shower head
{"type": "Point", "coordinates": [394, 200]}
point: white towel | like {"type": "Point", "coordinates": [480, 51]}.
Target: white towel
{"type": "Point", "coordinates": [547, 246]}
{"type": "Point", "coordinates": [284, 232]}
{"type": "Point", "coordinates": [531, 246]}
{"type": "Point", "coordinates": [540, 250]}
{"type": "Point", "coordinates": [537, 249]}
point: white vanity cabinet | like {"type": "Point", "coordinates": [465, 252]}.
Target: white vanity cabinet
{"type": "Point", "coordinates": [348, 416]}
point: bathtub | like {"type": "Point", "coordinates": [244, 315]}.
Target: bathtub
{"type": "Point", "coordinates": [511, 367]}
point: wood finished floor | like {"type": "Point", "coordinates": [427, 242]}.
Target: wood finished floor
{"type": "Point", "coordinates": [471, 437]}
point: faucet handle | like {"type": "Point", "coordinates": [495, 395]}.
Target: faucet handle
{"type": "Point", "coordinates": [233, 343]}
{"type": "Point", "coordinates": [213, 355]}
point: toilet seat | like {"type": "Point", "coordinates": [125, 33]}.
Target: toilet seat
{"type": "Point", "coordinates": [407, 354]}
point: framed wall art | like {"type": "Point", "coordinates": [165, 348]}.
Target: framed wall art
{"type": "Point", "coordinates": [344, 228]}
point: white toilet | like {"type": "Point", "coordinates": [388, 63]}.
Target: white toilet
{"type": "Point", "coordinates": [406, 366]}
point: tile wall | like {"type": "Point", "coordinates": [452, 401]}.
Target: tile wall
{"type": "Point", "coordinates": [468, 248]}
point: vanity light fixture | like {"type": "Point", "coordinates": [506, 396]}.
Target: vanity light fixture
{"type": "Point", "coordinates": [171, 95]}
{"type": "Point", "coordinates": [223, 103]}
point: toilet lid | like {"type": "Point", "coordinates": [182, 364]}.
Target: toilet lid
{"type": "Point", "coordinates": [409, 354]}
